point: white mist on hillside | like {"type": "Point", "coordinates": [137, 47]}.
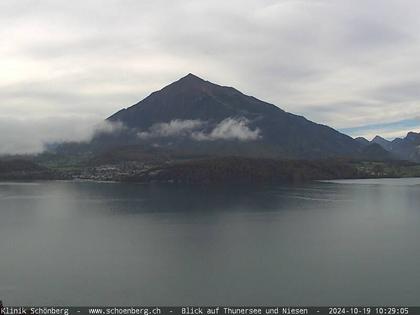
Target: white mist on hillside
{"type": "Point", "coordinates": [174, 128]}
{"type": "Point", "coordinates": [227, 129]}
{"type": "Point", "coordinates": [30, 135]}
{"type": "Point", "coordinates": [230, 129]}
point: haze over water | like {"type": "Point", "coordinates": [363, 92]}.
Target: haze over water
{"type": "Point", "coordinates": [87, 243]}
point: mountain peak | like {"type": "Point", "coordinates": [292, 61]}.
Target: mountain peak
{"type": "Point", "coordinates": [189, 83]}
{"type": "Point", "coordinates": [362, 141]}
{"type": "Point", "coordinates": [384, 143]}
{"type": "Point", "coordinates": [379, 138]}
{"type": "Point", "coordinates": [190, 77]}
{"type": "Point", "coordinates": [413, 134]}
{"type": "Point", "coordinates": [413, 137]}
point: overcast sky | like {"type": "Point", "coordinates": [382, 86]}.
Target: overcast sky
{"type": "Point", "coordinates": [67, 65]}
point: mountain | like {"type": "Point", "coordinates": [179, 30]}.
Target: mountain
{"type": "Point", "coordinates": [387, 145]}
{"type": "Point", "coordinates": [407, 148]}
{"type": "Point", "coordinates": [197, 117]}
{"type": "Point", "coordinates": [362, 141]}
{"type": "Point", "coordinates": [374, 151]}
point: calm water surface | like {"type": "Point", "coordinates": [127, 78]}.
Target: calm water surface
{"type": "Point", "coordinates": [85, 243]}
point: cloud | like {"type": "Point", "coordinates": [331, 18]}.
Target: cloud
{"type": "Point", "coordinates": [316, 58]}
{"type": "Point", "coordinates": [229, 129]}
{"type": "Point", "coordinates": [175, 128]}
{"type": "Point", "coordinates": [29, 136]}
{"type": "Point", "coordinates": [107, 127]}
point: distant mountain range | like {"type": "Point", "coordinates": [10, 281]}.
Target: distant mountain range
{"type": "Point", "coordinates": [407, 148]}
{"type": "Point", "coordinates": [196, 117]}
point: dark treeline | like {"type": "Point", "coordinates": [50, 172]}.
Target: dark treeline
{"type": "Point", "coordinates": [252, 170]}
{"type": "Point", "coordinates": [20, 169]}
{"type": "Point", "coordinates": [208, 170]}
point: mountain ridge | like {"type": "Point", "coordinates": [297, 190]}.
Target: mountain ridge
{"type": "Point", "coordinates": [407, 148]}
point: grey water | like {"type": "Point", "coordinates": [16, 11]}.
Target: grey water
{"type": "Point", "coordinates": [325, 243]}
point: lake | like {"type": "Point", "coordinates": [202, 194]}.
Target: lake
{"type": "Point", "coordinates": [323, 243]}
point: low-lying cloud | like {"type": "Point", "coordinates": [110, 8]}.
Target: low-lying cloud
{"type": "Point", "coordinates": [174, 128]}
{"type": "Point", "coordinates": [30, 135]}
{"type": "Point", "coordinates": [230, 129]}
{"type": "Point", "coordinates": [227, 129]}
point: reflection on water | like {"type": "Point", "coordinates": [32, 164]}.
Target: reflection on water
{"type": "Point", "coordinates": [86, 243]}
